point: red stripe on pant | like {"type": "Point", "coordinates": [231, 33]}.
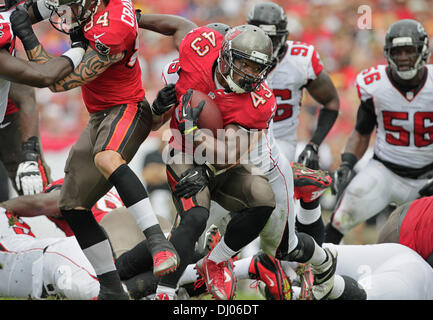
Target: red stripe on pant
{"type": "Point", "coordinates": [186, 203]}
{"type": "Point", "coordinates": [122, 127]}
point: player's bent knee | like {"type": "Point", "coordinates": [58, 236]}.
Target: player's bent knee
{"type": "Point", "coordinates": [262, 194]}
{"type": "Point", "coordinates": [108, 161]}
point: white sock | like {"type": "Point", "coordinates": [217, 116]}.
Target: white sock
{"type": "Point", "coordinates": [319, 255]}
{"type": "Point", "coordinates": [241, 268]}
{"type": "Point", "coordinates": [100, 257]}
{"type": "Point", "coordinates": [338, 288]}
{"type": "Point", "coordinates": [221, 252]}
{"type": "Point", "coordinates": [143, 214]}
{"type": "Point", "coordinates": [308, 216]}
{"type": "Point", "coordinates": [289, 268]}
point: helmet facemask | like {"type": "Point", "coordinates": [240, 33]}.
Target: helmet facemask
{"type": "Point", "coordinates": [419, 56]}
{"type": "Point", "coordinates": [68, 14]}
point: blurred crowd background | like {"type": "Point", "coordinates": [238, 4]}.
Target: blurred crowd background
{"type": "Point", "coordinates": [334, 27]}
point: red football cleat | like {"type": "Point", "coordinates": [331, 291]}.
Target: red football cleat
{"type": "Point", "coordinates": [309, 184]}
{"type": "Point", "coordinates": [164, 262]}
{"type": "Point", "coordinates": [219, 278]}
{"type": "Point", "coordinates": [267, 269]}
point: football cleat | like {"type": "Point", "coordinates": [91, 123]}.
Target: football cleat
{"type": "Point", "coordinates": [309, 184]}
{"type": "Point", "coordinates": [323, 275]}
{"type": "Point", "coordinates": [162, 296]}
{"type": "Point", "coordinates": [219, 278]}
{"type": "Point", "coordinates": [306, 281]}
{"type": "Point", "coordinates": [212, 237]}
{"type": "Point", "coordinates": [165, 257]}
{"type": "Point", "coordinates": [267, 269]}
{"type": "Point", "coordinates": [164, 262]}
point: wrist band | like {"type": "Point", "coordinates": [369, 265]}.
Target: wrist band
{"type": "Point", "coordinates": [75, 55]}
{"type": "Point", "coordinates": [349, 158]}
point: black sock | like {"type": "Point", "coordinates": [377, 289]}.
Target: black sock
{"type": "Point", "coordinates": [245, 226]}
{"type": "Point", "coordinates": [132, 192]}
{"type": "Point", "coordinates": [134, 261]}
{"type": "Point", "coordinates": [315, 229]}
{"type": "Point", "coordinates": [332, 235]}
{"type": "Point", "coordinates": [184, 238]}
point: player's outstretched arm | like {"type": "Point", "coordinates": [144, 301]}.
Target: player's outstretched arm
{"type": "Point", "coordinates": [92, 65]}
{"type": "Point", "coordinates": [49, 70]}
{"type": "Point", "coordinates": [324, 92]}
{"type": "Point", "coordinates": [23, 97]}
{"type": "Point", "coordinates": [34, 205]}
{"type": "Point", "coordinates": [169, 25]}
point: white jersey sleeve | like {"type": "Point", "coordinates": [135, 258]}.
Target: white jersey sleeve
{"type": "Point", "coordinates": [170, 72]}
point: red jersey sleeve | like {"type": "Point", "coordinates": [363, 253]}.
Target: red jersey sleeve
{"type": "Point", "coordinates": [198, 53]}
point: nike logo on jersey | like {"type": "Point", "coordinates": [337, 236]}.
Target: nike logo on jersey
{"type": "Point", "coordinates": [98, 36]}
{"type": "Point", "coordinates": [4, 125]}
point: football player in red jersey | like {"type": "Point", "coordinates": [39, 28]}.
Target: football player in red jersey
{"type": "Point", "coordinates": [120, 120]}
{"type": "Point", "coordinates": [411, 224]}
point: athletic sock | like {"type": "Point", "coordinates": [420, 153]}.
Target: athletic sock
{"type": "Point", "coordinates": [309, 220]}
{"type": "Point", "coordinates": [221, 252]}
{"type": "Point", "coordinates": [332, 235]}
{"type": "Point", "coordinates": [95, 246]}
{"type": "Point", "coordinates": [134, 196]}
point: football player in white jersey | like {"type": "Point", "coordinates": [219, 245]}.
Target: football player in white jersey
{"type": "Point", "coordinates": [297, 65]}
{"type": "Point", "coordinates": [37, 268]}
{"type": "Point", "coordinates": [397, 100]}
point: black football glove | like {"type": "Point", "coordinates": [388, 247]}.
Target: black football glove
{"type": "Point", "coordinates": [192, 181]}
{"type": "Point", "coordinates": [165, 99]}
{"type": "Point", "coordinates": [78, 40]}
{"type": "Point", "coordinates": [187, 115]}
{"type": "Point", "coordinates": [22, 28]}
{"type": "Point", "coordinates": [341, 179]}
{"type": "Point", "coordinates": [309, 157]}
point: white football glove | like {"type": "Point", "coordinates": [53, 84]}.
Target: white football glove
{"type": "Point", "coordinates": [29, 178]}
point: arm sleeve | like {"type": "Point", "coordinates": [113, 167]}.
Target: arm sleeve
{"type": "Point", "coordinates": [366, 117]}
